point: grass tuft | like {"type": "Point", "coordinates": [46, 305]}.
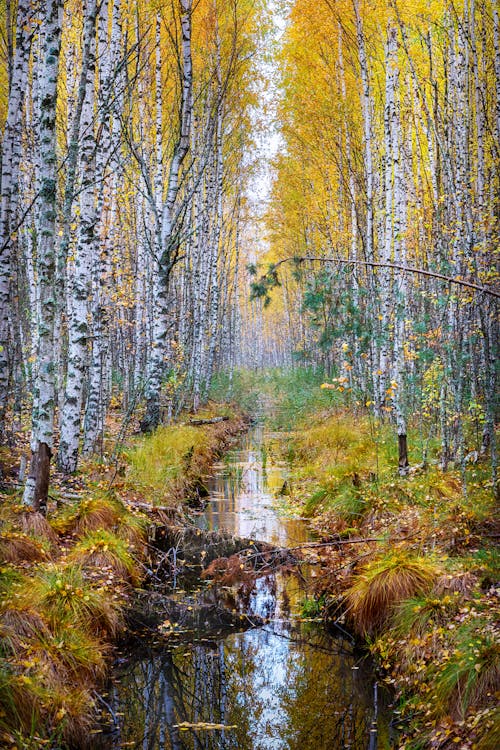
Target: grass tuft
{"type": "Point", "coordinates": [35, 524]}
{"type": "Point", "coordinates": [382, 584]}
{"type": "Point", "coordinates": [20, 624]}
{"type": "Point", "coordinates": [416, 616]}
{"type": "Point", "coordinates": [76, 653]}
{"type": "Point", "coordinates": [490, 737]}
{"type": "Point", "coordinates": [106, 553]}
{"type": "Point", "coordinates": [88, 515]}
{"type": "Point", "coordinates": [65, 596]}
{"type": "Point", "coordinates": [133, 528]}
{"type": "Point", "coordinates": [472, 672]}
{"type": "Point", "coordinates": [17, 548]}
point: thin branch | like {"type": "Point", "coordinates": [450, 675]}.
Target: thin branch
{"type": "Point", "coordinates": [406, 269]}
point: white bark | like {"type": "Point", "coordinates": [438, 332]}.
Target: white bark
{"type": "Point", "coordinates": [11, 157]}
{"type": "Point", "coordinates": [366, 104]}
{"type": "Point", "coordinates": [388, 246]}
{"type": "Point", "coordinates": [99, 379]}
{"type": "Point", "coordinates": [496, 44]}
{"type": "Point", "coordinates": [79, 281]}
{"type": "Point", "coordinates": [36, 489]}
{"type": "Point", "coordinates": [218, 199]}
{"type": "Point", "coordinates": [169, 231]}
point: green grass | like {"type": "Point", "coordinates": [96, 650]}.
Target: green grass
{"type": "Point", "coordinates": [311, 607]}
{"type": "Point", "coordinates": [486, 562]}
{"type": "Point", "coordinates": [283, 397]}
{"type": "Point", "coordinates": [416, 616]}
{"type": "Point", "coordinates": [297, 396]}
{"type": "Point", "coordinates": [89, 514]}
{"type": "Point", "coordinates": [107, 554]}
{"type": "Point", "coordinates": [64, 595]}
{"type": "Point", "coordinates": [341, 497]}
{"type": "Point", "coordinates": [158, 462]}
{"type": "Point", "coordinates": [471, 674]}
{"type": "Point", "coordinates": [51, 628]}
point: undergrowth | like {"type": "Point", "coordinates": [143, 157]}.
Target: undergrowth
{"type": "Point", "coordinates": [420, 580]}
{"type": "Point", "coordinates": [283, 397]}
{"type": "Point", "coordinates": [66, 579]}
{"type": "Point", "coordinates": [168, 465]}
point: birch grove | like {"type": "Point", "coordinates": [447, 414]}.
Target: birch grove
{"type": "Point", "coordinates": [124, 288]}
{"type": "Point", "coordinates": [130, 123]}
{"type": "Point", "coordinates": [399, 123]}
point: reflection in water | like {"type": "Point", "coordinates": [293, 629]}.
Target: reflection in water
{"type": "Point", "coordinates": [273, 691]}
{"type": "Point", "coordinates": [243, 494]}
{"type": "Point", "coordinates": [286, 685]}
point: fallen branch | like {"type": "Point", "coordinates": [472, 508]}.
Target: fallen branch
{"type": "Point", "coordinates": [213, 420]}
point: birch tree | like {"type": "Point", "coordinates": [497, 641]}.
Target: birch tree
{"type": "Point", "coordinates": [80, 274]}
{"type": "Point", "coordinates": [37, 485]}
{"type": "Point", "coordinates": [11, 157]}
{"type": "Point", "coordinates": [170, 230]}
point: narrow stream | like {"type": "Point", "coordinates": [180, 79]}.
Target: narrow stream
{"type": "Point", "coordinates": [286, 685]}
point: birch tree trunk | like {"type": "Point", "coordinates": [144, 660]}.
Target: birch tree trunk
{"type": "Point", "coordinates": [11, 157]}
{"type": "Point", "coordinates": [219, 190]}
{"type": "Point", "coordinates": [79, 283]}
{"type": "Point", "coordinates": [108, 53]}
{"type": "Point", "coordinates": [366, 104]}
{"type": "Point", "coordinates": [169, 231]}
{"type": "Point", "coordinates": [37, 485]}
{"type": "Point", "coordinates": [386, 255]}
{"type": "Point", "coordinates": [496, 42]}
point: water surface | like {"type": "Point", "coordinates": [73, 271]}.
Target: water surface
{"type": "Point", "coordinates": [286, 685]}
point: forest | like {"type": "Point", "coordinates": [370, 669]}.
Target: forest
{"type": "Point", "coordinates": [268, 226]}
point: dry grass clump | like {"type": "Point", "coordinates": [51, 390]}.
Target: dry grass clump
{"type": "Point", "coordinates": [463, 583]}
{"type": "Point", "coordinates": [20, 624]}
{"type": "Point", "coordinates": [490, 736]}
{"type": "Point", "coordinates": [71, 652]}
{"type": "Point", "coordinates": [49, 654]}
{"type": "Point", "coordinates": [89, 515]}
{"type": "Point", "coordinates": [382, 584]}
{"type": "Point", "coordinates": [35, 524]}
{"type": "Point", "coordinates": [105, 552]}
{"type": "Point", "coordinates": [71, 714]}
{"type": "Point", "coordinates": [17, 548]}
{"type": "Point", "coordinates": [335, 439]}
{"type": "Point", "coordinates": [45, 714]}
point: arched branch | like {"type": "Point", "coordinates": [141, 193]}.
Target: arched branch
{"type": "Point", "coordinates": [269, 280]}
